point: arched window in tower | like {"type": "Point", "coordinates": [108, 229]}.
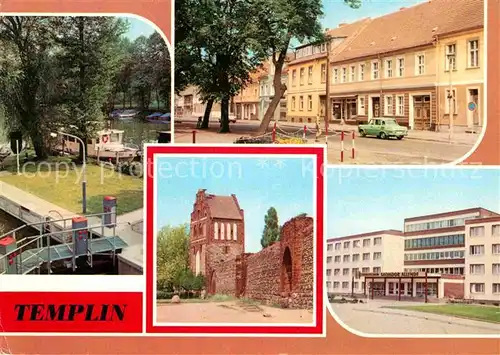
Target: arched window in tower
{"type": "Point", "coordinates": [228, 231]}
{"type": "Point", "coordinates": [235, 231]}
{"type": "Point", "coordinates": [216, 230]}
{"type": "Point", "coordinates": [222, 231]}
{"type": "Point", "coordinates": [198, 262]}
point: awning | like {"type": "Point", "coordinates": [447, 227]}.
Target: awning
{"type": "Point", "coordinates": [343, 96]}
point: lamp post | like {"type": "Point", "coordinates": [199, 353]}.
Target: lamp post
{"type": "Point", "coordinates": [84, 168]}
{"type": "Point", "coordinates": [327, 91]}
{"type": "Point", "coordinates": [451, 106]}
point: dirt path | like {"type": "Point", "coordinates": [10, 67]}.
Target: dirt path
{"type": "Point", "coordinates": [229, 312]}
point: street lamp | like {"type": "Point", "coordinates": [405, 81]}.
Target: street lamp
{"type": "Point", "coordinates": [451, 58]}
{"type": "Point", "coordinates": [84, 167]}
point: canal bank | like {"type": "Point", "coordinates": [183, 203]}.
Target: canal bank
{"type": "Point", "coordinates": [31, 209]}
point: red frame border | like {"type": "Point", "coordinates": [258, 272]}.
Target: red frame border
{"type": "Point", "coordinates": [319, 153]}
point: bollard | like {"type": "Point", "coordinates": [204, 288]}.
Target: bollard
{"type": "Point", "coordinates": [109, 208]}
{"type": "Point", "coordinates": [342, 147]}
{"type": "Point", "coordinates": [353, 149]}
{"type": "Point", "coordinates": [274, 133]}
{"type": "Point", "coordinates": [79, 225]}
{"type": "Point", "coordinates": [9, 263]}
{"type": "Point", "coordinates": [305, 132]}
{"type": "Point", "coordinates": [194, 137]}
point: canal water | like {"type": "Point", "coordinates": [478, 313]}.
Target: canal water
{"type": "Point", "coordinates": [138, 132]}
{"type": "Point", "coordinates": [8, 223]}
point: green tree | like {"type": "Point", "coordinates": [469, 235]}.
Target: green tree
{"type": "Point", "coordinates": [90, 59]}
{"type": "Point", "coordinates": [271, 233]}
{"type": "Point", "coordinates": [172, 256]}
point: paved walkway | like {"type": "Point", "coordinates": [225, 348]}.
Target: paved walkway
{"type": "Point", "coordinates": [125, 222]}
{"type": "Point", "coordinates": [372, 318]}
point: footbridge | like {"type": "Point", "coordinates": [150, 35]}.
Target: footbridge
{"type": "Point", "coordinates": [79, 241]}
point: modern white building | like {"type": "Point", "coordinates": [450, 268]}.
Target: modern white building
{"type": "Point", "coordinates": [482, 262]}
{"type": "Point", "coordinates": [349, 257]}
{"type": "Point", "coordinates": [447, 255]}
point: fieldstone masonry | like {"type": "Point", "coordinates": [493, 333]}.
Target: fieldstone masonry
{"type": "Point", "coordinates": [281, 274]}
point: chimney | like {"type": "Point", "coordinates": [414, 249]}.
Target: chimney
{"type": "Point", "coordinates": [342, 24]}
{"type": "Point", "coordinates": [402, 8]}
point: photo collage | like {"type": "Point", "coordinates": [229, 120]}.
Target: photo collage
{"type": "Point", "coordinates": [229, 170]}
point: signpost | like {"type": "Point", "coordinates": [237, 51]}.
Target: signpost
{"type": "Point", "coordinates": [472, 106]}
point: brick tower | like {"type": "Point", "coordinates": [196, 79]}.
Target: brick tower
{"type": "Point", "coordinates": [217, 234]}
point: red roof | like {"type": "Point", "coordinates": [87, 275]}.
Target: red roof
{"type": "Point", "coordinates": [225, 207]}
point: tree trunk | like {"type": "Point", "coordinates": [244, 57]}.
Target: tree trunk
{"type": "Point", "coordinates": [124, 99]}
{"type": "Point", "coordinates": [224, 115]}
{"type": "Point", "coordinates": [206, 116]}
{"type": "Point", "coordinates": [38, 146]}
{"type": "Point", "coordinates": [279, 91]}
{"type": "Point", "coordinates": [157, 99]}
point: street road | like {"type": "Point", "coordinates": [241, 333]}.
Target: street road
{"type": "Point", "coordinates": [368, 150]}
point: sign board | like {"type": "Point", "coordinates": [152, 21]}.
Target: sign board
{"type": "Point", "coordinates": [472, 106]}
{"type": "Point", "coordinates": [394, 274]}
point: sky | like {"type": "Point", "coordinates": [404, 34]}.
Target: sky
{"type": "Point", "coordinates": [368, 200]}
{"type": "Point", "coordinates": [285, 184]}
{"type": "Point", "coordinates": [336, 11]}
{"type": "Point", "coordinates": [138, 28]}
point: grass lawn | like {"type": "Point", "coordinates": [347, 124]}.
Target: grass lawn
{"type": "Point", "coordinates": [59, 182]}
{"type": "Point", "coordinates": [483, 313]}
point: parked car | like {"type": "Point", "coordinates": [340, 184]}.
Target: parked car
{"type": "Point", "coordinates": [232, 119]}
{"type": "Point", "coordinates": [383, 128]}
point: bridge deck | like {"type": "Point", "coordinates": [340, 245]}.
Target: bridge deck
{"type": "Point", "coordinates": [32, 258]}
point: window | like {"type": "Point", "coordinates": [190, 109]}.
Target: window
{"type": "Point", "coordinates": [328, 284]}
{"type": "Point", "coordinates": [496, 288]}
{"type": "Point", "coordinates": [388, 68]}
{"type": "Point", "coordinates": [235, 231]}
{"type": "Point", "coordinates": [473, 47]}
{"type": "Point", "coordinates": [345, 272]}
{"type": "Point", "coordinates": [377, 241]}
{"type": "Point", "coordinates": [495, 249]}
{"type": "Point", "coordinates": [377, 270]}
{"type": "Point", "coordinates": [366, 243]}
{"type": "Point", "coordinates": [361, 72]}
{"type": "Point", "coordinates": [477, 288]}
{"type": "Point", "coordinates": [355, 285]}
{"type": "Point", "coordinates": [328, 259]}
{"type": "Point", "coordinates": [495, 230]}
{"type": "Point", "coordinates": [476, 250]}
{"type": "Point", "coordinates": [222, 234]}
{"type": "Point", "coordinates": [336, 272]}
{"type": "Point", "coordinates": [400, 108]}
{"type": "Point", "coordinates": [355, 257]}
{"type": "Point", "coordinates": [302, 73]}
{"type": "Point", "coordinates": [345, 284]}
{"type": "Point", "coordinates": [225, 249]}
{"type": "Point", "coordinates": [353, 73]}
{"type": "Point", "coordinates": [216, 230]}
{"type": "Point", "coordinates": [344, 75]}
{"type": "Point", "coordinates": [293, 103]}
{"type": "Point", "coordinates": [453, 101]}
{"type": "Point", "coordinates": [377, 256]}
{"type": "Point", "coordinates": [329, 247]}
{"type": "Point", "coordinates": [477, 269]}
{"type": "Point", "coordinates": [347, 258]}
{"type": "Point", "coordinates": [294, 77]}
{"type": "Point", "coordinates": [355, 272]}
{"type": "Point", "coordinates": [328, 272]}
{"type": "Point", "coordinates": [450, 59]}
{"type": "Point", "coordinates": [337, 259]}
{"type": "Point", "coordinates": [335, 75]}
{"type": "Point", "coordinates": [309, 103]}
{"type": "Point", "coordinates": [365, 270]}
{"type": "Point", "coordinates": [310, 75]}
{"type": "Point", "coordinates": [361, 103]}
{"type": "Point", "coordinates": [346, 245]}
{"type": "Point", "coordinates": [375, 69]}
{"type": "Point", "coordinates": [477, 231]}
{"type": "Point", "coordinates": [337, 246]}
{"type": "Point", "coordinates": [323, 73]}
{"type": "Point", "coordinates": [401, 67]}
{"type": "Point", "coordinates": [495, 269]}
{"type": "Point", "coordinates": [388, 105]}
{"type": "Point", "coordinates": [301, 103]}
{"type": "Point", "coordinates": [356, 244]}
{"type": "Point", "coordinates": [420, 67]}
{"type": "Point", "coordinates": [336, 284]}
{"type": "Point", "coordinates": [366, 256]}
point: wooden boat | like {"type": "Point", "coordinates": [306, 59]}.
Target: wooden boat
{"type": "Point", "coordinates": [108, 145]}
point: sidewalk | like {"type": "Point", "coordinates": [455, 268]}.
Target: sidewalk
{"type": "Point", "coordinates": [457, 138]}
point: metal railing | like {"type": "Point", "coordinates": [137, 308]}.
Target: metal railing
{"type": "Point", "coordinates": [36, 243]}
